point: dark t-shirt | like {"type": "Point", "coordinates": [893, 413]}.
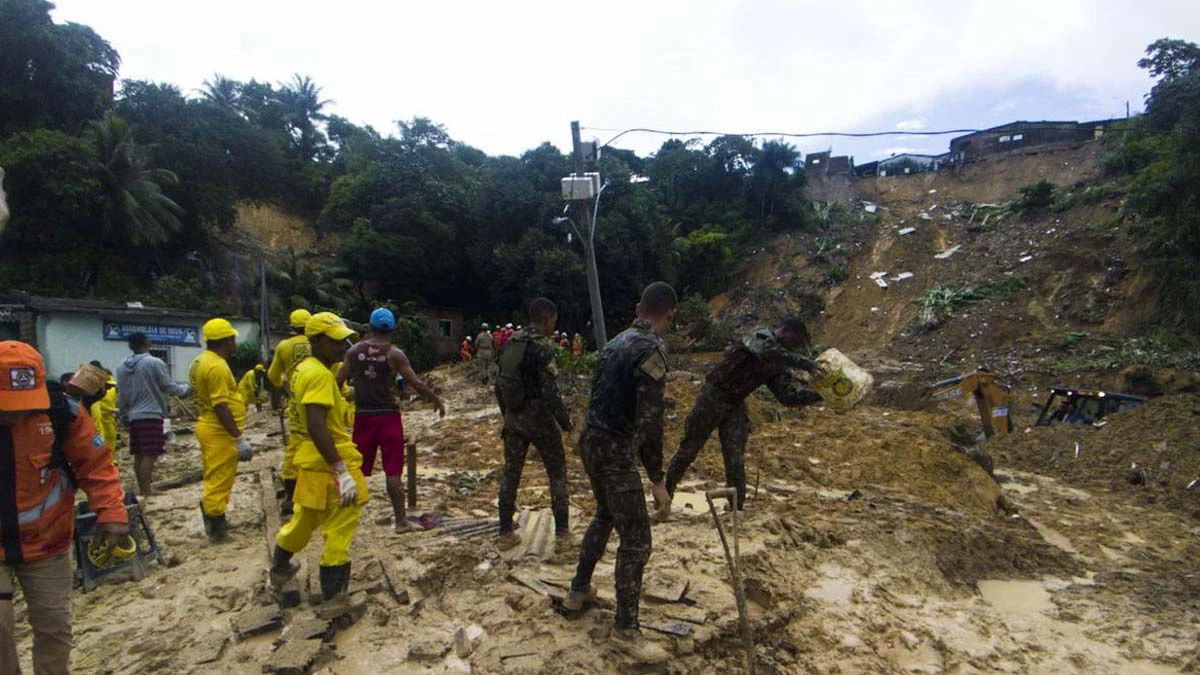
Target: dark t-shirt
{"type": "Point", "coordinates": [374, 383]}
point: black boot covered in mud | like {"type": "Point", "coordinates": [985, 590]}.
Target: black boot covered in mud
{"type": "Point", "coordinates": [334, 584]}
{"type": "Point", "coordinates": [286, 506]}
{"type": "Point", "coordinates": [283, 567]}
{"type": "Point", "coordinates": [217, 528]}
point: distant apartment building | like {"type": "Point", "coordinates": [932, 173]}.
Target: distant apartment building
{"type": "Point", "coordinates": [1025, 138]}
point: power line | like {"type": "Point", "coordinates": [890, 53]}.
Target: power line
{"type": "Point", "coordinates": [793, 135]}
{"type": "Point", "coordinates": [781, 134]}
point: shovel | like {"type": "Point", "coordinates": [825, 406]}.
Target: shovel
{"type": "Point", "coordinates": [734, 560]}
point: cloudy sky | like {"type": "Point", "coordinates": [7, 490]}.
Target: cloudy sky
{"type": "Point", "coordinates": [506, 76]}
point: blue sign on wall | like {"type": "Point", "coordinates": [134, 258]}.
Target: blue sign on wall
{"type": "Point", "coordinates": [159, 333]}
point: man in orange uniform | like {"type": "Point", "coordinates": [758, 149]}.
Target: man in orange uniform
{"type": "Point", "coordinates": [45, 440]}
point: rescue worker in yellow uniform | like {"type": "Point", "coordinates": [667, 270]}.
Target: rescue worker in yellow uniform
{"type": "Point", "coordinates": [289, 353]}
{"type": "Point", "coordinates": [250, 387]}
{"type": "Point", "coordinates": [104, 412]}
{"type": "Point", "coordinates": [330, 488]}
{"type": "Point", "coordinates": [221, 419]}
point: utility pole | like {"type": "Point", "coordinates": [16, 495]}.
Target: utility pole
{"type": "Point", "coordinates": [589, 253]}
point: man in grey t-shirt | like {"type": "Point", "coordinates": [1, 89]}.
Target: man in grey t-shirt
{"type": "Point", "coordinates": [143, 385]}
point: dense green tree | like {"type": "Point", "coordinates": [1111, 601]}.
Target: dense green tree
{"type": "Point", "coordinates": [55, 76]}
{"type": "Point", "coordinates": [53, 191]}
{"type": "Point", "coordinates": [134, 205]}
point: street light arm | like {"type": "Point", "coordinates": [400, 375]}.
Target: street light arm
{"type": "Point", "coordinates": [564, 219]}
{"type": "Point", "coordinates": [596, 212]}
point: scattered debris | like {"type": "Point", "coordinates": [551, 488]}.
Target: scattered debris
{"type": "Point", "coordinates": [257, 621]}
{"type": "Point", "coordinates": [906, 231]}
{"type": "Point", "coordinates": [948, 252]}
{"type": "Point", "coordinates": [903, 276]}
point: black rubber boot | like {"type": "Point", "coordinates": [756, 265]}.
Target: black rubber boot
{"type": "Point", "coordinates": [219, 529]}
{"type": "Point", "coordinates": [334, 580]}
{"type": "Point", "coordinates": [283, 568]}
{"type": "Point", "coordinates": [289, 490]}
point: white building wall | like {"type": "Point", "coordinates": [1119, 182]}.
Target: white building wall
{"type": "Point", "coordinates": [67, 340]}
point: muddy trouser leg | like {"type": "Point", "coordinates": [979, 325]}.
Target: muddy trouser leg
{"type": "Point", "coordinates": [734, 431]}
{"type": "Point", "coordinates": [554, 459]}
{"type": "Point", "coordinates": [595, 540]}
{"type": "Point", "coordinates": [46, 585]}
{"type": "Point", "coordinates": [8, 641]}
{"type": "Point", "coordinates": [703, 418]}
{"type": "Point", "coordinates": [627, 504]}
{"type": "Point", "coordinates": [515, 448]}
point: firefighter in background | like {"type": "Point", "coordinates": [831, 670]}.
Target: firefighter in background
{"type": "Point", "coordinates": [104, 411]}
{"type": "Point", "coordinates": [464, 350]}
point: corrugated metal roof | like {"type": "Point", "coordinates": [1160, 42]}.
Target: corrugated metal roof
{"type": "Point", "coordinates": [115, 309]}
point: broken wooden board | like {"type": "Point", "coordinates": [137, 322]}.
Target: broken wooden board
{"type": "Point", "coordinates": [694, 615]}
{"type": "Point", "coordinates": [665, 588]}
{"type": "Point", "coordinates": [294, 658]}
{"type": "Point", "coordinates": [307, 629]}
{"type": "Point", "coordinates": [533, 583]}
{"type": "Point", "coordinates": [676, 628]}
{"type": "Point", "coordinates": [394, 581]}
{"type": "Point", "coordinates": [257, 621]}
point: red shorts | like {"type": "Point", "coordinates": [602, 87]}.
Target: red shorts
{"type": "Point", "coordinates": [380, 431]}
{"type": "Point", "coordinates": [146, 438]}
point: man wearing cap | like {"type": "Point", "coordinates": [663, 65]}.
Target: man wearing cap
{"type": "Point", "coordinates": [485, 356]}
{"type": "Point", "coordinates": [37, 504]}
{"type": "Point", "coordinates": [330, 488]}
{"type": "Point", "coordinates": [221, 419]}
{"type": "Point", "coordinates": [372, 366]}
{"type": "Point", "coordinates": [143, 385]}
{"type": "Point", "coordinates": [250, 387]}
{"type": "Point", "coordinates": [288, 354]}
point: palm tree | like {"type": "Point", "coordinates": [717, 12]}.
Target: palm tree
{"type": "Point", "coordinates": [771, 175]}
{"type": "Point", "coordinates": [133, 200]}
{"type": "Point", "coordinates": [222, 92]}
{"type": "Point", "coordinates": [302, 106]}
{"type": "Point", "coordinates": [305, 285]}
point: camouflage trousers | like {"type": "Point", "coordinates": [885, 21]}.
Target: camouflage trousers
{"type": "Point", "coordinates": [714, 410]}
{"type": "Point", "coordinates": [550, 447]}
{"type": "Point", "coordinates": [620, 503]}
{"type": "Point", "coordinates": [484, 364]}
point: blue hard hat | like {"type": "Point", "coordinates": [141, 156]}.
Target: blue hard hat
{"type": "Point", "coordinates": [383, 319]}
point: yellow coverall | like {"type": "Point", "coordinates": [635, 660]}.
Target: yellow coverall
{"type": "Point", "coordinates": [288, 354]}
{"type": "Point", "coordinates": [104, 413]}
{"type": "Point", "coordinates": [213, 382]}
{"type": "Point", "coordinates": [248, 388]}
{"type": "Point", "coordinates": [316, 497]}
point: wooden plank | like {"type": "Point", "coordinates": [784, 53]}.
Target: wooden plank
{"type": "Point", "coordinates": [681, 629]}
{"type": "Point", "coordinates": [411, 458]}
{"type": "Point", "coordinates": [665, 588]}
{"type": "Point", "coordinates": [694, 615]}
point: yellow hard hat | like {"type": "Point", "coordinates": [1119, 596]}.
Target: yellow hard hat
{"type": "Point", "coordinates": [218, 329]}
{"type": "Point", "coordinates": [104, 555]}
{"type": "Point", "coordinates": [330, 324]}
{"type": "Point", "coordinates": [259, 367]}
{"type": "Point", "coordinates": [299, 318]}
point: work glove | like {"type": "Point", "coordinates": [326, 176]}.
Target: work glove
{"type": "Point", "coordinates": [347, 488]}
{"type": "Point", "coordinates": [244, 451]}
{"type": "Point", "coordinates": [662, 502]}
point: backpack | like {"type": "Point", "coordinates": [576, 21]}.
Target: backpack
{"type": "Point", "coordinates": [61, 419]}
{"type": "Point", "coordinates": [513, 383]}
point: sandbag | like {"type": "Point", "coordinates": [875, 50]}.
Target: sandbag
{"type": "Point", "coordinates": [841, 383]}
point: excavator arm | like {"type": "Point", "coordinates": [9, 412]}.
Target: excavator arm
{"type": "Point", "coordinates": [991, 399]}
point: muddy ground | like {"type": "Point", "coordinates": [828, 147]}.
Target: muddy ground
{"type": "Point", "coordinates": [870, 545]}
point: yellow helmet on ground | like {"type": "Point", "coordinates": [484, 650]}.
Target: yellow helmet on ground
{"type": "Point", "coordinates": [299, 318]}
{"type": "Point", "coordinates": [218, 329]}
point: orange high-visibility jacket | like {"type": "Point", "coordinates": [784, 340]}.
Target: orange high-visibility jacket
{"type": "Point", "coordinates": [37, 501]}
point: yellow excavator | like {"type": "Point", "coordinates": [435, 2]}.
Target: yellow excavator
{"type": "Point", "coordinates": [991, 398]}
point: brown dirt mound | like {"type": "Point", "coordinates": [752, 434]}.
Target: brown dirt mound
{"type": "Point", "coordinates": [906, 451]}
{"type": "Point", "coordinates": [1153, 449]}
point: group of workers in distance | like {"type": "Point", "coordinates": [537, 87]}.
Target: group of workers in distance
{"type": "Point", "coordinates": [483, 348]}
{"type": "Point", "coordinates": [49, 444]}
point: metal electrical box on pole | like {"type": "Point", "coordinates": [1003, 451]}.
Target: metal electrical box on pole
{"type": "Point", "coordinates": [582, 187]}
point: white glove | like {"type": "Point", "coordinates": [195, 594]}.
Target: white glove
{"type": "Point", "coordinates": [347, 488]}
{"type": "Point", "coordinates": [245, 452]}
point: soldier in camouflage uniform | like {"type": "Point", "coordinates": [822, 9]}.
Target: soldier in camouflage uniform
{"type": "Point", "coordinates": [625, 424]}
{"type": "Point", "coordinates": [763, 357]}
{"type": "Point", "coordinates": [534, 412]}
